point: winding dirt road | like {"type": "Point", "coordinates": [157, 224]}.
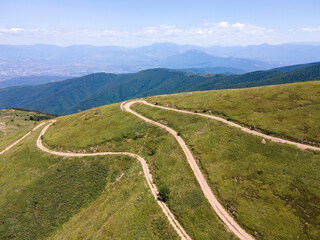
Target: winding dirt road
{"type": "Point", "coordinates": [217, 207]}
{"type": "Point", "coordinates": [247, 130]}
{"type": "Point", "coordinates": [175, 224]}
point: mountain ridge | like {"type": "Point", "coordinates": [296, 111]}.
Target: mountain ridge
{"type": "Point", "coordinates": [195, 58]}
{"type": "Point", "coordinates": [98, 89]}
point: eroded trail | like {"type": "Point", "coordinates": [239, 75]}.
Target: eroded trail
{"type": "Point", "coordinates": [20, 139]}
{"type": "Point", "coordinates": [217, 207]}
{"type": "Point", "coordinates": [247, 130]}
{"type": "Point", "coordinates": [175, 224]}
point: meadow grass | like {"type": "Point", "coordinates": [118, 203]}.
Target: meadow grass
{"type": "Point", "coordinates": [288, 111]}
{"type": "Point", "coordinates": [126, 209]}
{"type": "Point", "coordinates": [46, 195]}
{"type": "Point", "coordinates": [272, 190]}
{"type": "Point", "coordinates": [108, 129]}
{"type": "Point", "coordinates": [14, 124]}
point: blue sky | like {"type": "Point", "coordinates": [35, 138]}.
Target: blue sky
{"type": "Point", "coordinates": [142, 22]}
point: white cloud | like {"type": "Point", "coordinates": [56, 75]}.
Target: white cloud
{"type": "Point", "coordinates": [16, 30]}
{"type": "Point", "coordinates": [224, 24]}
{"type": "Point", "coordinates": [206, 29]}
{"type": "Point", "coordinates": [159, 30]}
{"type": "Point", "coordinates": [239, 26]}
{"type": "Point", "coordinates": [205, 33]}
{"type": "Point", "coordinates": [310, 30]}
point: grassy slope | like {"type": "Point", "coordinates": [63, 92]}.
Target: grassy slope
{"type": "Point", "coordinates": [287, 111]}
{"type": "Point", "coordinates": [40, 192]}
{"type": "Point", "coordinates": [14, 124]}
{"type": "Point", "coordinates": [125, 210]}
{"type": "Point", "coordinates": [272, 190]}
{"type": "Point", "coordinates": [109, 129]}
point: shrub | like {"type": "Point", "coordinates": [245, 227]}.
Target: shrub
{"type": "Point", "coordinates": [164, 192]}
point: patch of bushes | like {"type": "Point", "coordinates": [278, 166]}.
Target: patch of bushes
{"type": "Point", "coordinates": [164, 192]}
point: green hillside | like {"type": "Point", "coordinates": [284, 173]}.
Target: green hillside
{"type": "Point", "coordinates": [107, 129]}
{"type": "Point", "coordinates": [53, 196]}
{"type": "Point", "coordinates": [98, 89]}
{"type": "Point", "coordinates": [287, 111]}
{"type": "Point", "coordinates": [42, 193]}
{"type": "Point", "coordinates": [272, 190]}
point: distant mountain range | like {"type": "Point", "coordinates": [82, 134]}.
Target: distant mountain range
{"type": "Point", "coordinates": [198, 59]}
{"type": "Point", "coordinates": [98, 89]}
{"type": "Point", "coordinates": [31, 80]}
{"type": "Point", "coordinates": [284, 54]}
{"type": "Point", "coordinates": [79, 60]}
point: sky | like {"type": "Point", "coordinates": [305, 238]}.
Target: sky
{"type": "Point", "coordinates": [135, 23]}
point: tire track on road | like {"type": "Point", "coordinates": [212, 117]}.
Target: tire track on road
{"type": "Point", "coordinates": [231, 224]}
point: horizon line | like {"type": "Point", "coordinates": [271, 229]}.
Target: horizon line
{"type": "Point", "coordinates": [309, 43]}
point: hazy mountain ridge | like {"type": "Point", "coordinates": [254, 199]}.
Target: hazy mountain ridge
{"type": "Point", "coordinates": [75, 60]}
{"type": "Point", "coordinates": [31, 80]}
{"type": "Point", "coordinates": [98, 89]}
{"type": "Point", "coordinates": [198, 59]}
{"type": "Point", "coordinates": [284, 54]}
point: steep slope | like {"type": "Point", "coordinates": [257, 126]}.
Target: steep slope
{"type": "Point", "coordinates": [98, 89]}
